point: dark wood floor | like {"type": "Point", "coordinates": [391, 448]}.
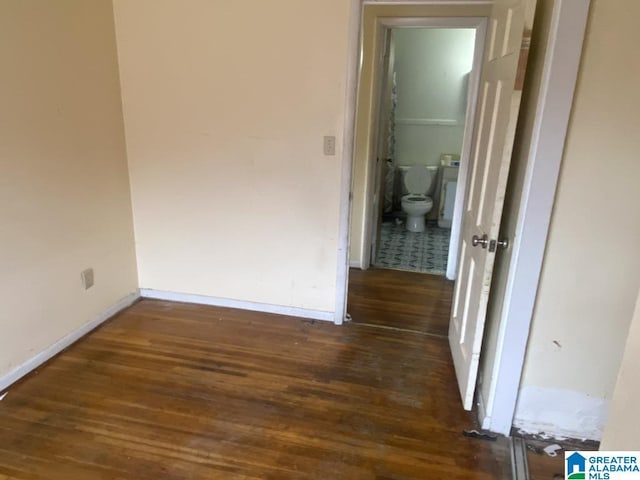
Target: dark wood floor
{"type": "Point", "coordinates": [406, 300]}
{"type": "Point", "coordinates": [421, 302]}
{"type": "Point", "coordinates": [542, 466]}
{"type": "Point", "coordinates": [177, 391]}
{"type": "Point", "coordinates": [545, 467]}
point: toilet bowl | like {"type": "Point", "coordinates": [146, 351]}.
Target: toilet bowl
{"type": "Point", "coordinates": [417, 204]}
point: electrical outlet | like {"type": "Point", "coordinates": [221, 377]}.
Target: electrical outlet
{"type": "Point", "coordinates": [87, 278]}
{"type": "Point", "coordinates": [329, 145]}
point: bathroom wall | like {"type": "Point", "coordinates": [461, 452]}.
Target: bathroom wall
{"type": "Point", "coordinates": [64, 188]}
{"type": "Point", "coordinates": [432, 66]}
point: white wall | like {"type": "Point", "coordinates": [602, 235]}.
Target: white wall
{"type": "Point", "coordinates": [225, 108]}
{"type": "Point", "coordinates": [64, 189]}
{"type": "Point", "coordinates": [591, 271]}
{"type": "Point", "coordinates": [432, 66]}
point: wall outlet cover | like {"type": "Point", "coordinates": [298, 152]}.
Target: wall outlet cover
{"type": "Point", "coordinates": [329, 145]}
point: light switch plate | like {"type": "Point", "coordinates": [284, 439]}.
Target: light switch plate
{"type": "Point", "coordinates": [87, 278]}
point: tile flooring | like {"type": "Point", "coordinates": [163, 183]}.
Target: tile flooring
{"type": "Point", "coordinates": [424, 252]}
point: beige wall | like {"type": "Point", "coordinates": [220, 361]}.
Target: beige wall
{"type": "Point", "coordinates": [591, 270]}
{"type": "Point", "coordinates": [225, 109]}
{"type": "Point", "coordinates": [623, 423]}
{"type": "Point", "coordinates": [64, 191]}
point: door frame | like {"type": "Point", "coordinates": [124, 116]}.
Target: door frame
{"type": "Point", "coordinates": [544, 156]}
{"type": "Point", "coordinates": [383, 45]}
{"type": "Point", "coordinates": [385, 25]}
{"type": "Point", "coordinates": [536, 204]}
{"type": "Point", "coordinates": [352, 81]}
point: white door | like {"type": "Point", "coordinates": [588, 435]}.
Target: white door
{"type": "Point", "coordinates": [496, 116]}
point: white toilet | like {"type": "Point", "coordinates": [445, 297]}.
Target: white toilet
{"type": "Point", "coordinates": [418, 181]}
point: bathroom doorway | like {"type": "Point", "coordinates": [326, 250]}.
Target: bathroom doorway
{"type": "Point", "coordinates": [427, 95]}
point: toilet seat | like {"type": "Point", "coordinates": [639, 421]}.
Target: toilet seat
{"type": "Point", "coordinates": [417, 199]}
{"type": "Point", "coordinates": [417, 204]}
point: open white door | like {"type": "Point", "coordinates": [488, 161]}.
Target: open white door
{"type": "Point", "coordinates": [496, 116]}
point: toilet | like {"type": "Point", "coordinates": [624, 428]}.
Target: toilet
{"type": "Point", "coordinates": [418, 181]}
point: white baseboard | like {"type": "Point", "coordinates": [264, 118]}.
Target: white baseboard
{"type": "Point", "coordinates": [34, 362]}
{"type": "Point", "coordinates": [240, 304]}
{"type": "Point", "coordinates": [560, 414]}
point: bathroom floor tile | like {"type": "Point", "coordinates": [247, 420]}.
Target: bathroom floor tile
{"type": "Point", "coordinates": [424, 252]}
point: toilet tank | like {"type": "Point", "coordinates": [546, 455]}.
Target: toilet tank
{"type": "Point", "coordinates": [402, 170]}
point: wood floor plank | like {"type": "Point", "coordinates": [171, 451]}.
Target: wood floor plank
{"type": "Point", "coordinates": [405, 300]}
{"type": "Point", "coordinates": [177, 391]}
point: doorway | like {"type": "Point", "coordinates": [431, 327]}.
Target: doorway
{"type": "Point", "coordinates": [505, 48]}
{"type": "Point", "coordinates": [548, 113]}
{"type": "Point", "coordinates": [423, 74]}
{"type": "Point", "coordinates": [427, 94]}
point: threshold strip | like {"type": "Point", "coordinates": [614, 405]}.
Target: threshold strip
{"type": "Point", "coordinates": [519, 465]}
{"type": "Point", "coordinates": [397, 329]}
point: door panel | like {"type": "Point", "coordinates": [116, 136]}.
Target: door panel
{"type": "Point", "coordinates": [493, 143]}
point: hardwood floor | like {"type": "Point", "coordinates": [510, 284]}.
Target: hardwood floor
{"type": "Point", "coordinates": [406, 300]}
{"type": "Point", "coordinates": [177, 391]}
{"type": "Point", "coordinates": [543, 467]}
{"type": "Point", "coordinates": [420, 302]}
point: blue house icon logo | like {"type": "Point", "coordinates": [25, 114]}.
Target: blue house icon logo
{"type": "Point", "coordinates": [576, 466]}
